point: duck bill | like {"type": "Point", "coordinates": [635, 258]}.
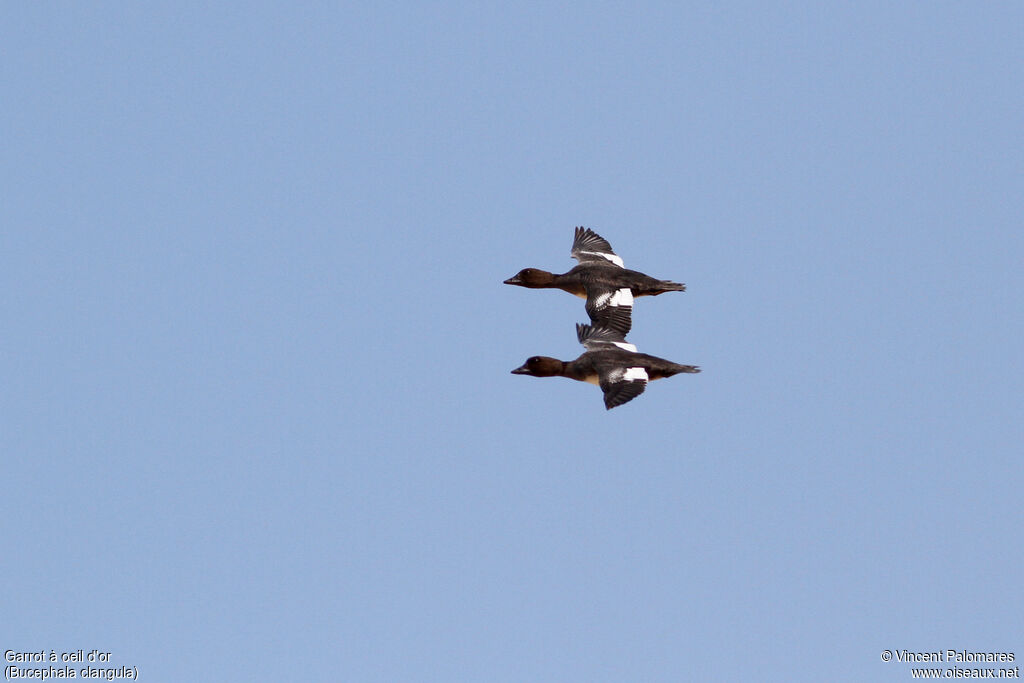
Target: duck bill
{"type": "Point", "coordinates": [521, 371]}
{"type": "Point", "coordinates": [514, 280]}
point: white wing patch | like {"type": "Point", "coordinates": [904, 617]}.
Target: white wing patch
{"type": "Point", "coordinates": [628, 375]}
{"type": "Point", "coordinates": [633, 374]}
{"type": "Point", "coordinates": [625, 346]}
{"type": "Point", "coordinates": [622, 297]}
{"type": "Point", "coordinates": [614, 258]}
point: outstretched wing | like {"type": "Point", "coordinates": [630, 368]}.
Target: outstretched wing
{"type": "Point", "coordinates": [611, 308]}
{"type": "Point", "coordinates": [589, 246]}
{"type": "Point", "coordinates": [595, 338]}
{"type": "Point", "coordinates": [621, 385]}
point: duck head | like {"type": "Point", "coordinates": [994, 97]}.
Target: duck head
{"type": "Point", "coordinates": [540, 366]}
{"type": "Point", "coordinates": [531, 277]}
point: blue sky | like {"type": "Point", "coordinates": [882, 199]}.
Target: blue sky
{"type": "Point", "coordinates": [258, 421]}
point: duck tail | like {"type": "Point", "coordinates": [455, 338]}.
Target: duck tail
{"type": "Point", "coordinates": [669, 286]}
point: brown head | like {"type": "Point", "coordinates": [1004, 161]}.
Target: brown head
{"type": "Point", "coordinates": [540, 366]}
{"type": "Point", "coordinates": [532, 278]}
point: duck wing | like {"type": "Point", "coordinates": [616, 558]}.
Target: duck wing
{"type": "Point", "coordinates": [589, 246]}
{"type": "Point", "coordinates": [610, 308]}
{"type": "Point", "coordinates": [596, 338]}
{"type": "Point", "coordinates": [620, 384]}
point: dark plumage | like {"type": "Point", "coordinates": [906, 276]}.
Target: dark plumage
{"type": "Point", "coordinates": [608, 362]}
{"type": "Point", "coordinates": [601, 279]}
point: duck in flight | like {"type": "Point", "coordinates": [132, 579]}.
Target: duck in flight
{"type": "Point", "coordinates": [609, 362]}
{"type": "Point", "coordinates": [601, 279]}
